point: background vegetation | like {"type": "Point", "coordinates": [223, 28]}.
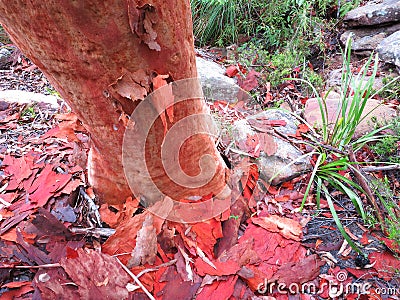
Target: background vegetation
{"type": "Point", "coordinates": [277, 35]}
{"type": "Point", "coordinates": [292, 38]}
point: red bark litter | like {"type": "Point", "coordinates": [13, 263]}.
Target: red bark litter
{"type": "Point", "coordinates": [250, 82]}
{"type": "Point", "coordinates": [219, 289]}
{"type": "Point", "coordinates": [289, 228]}
{"type": "Point", "coordinates": [232, 71]}
{"type": "Point", "coordinates": [221, 268]}
{"type": "Point", "coordinates": [109, 281]}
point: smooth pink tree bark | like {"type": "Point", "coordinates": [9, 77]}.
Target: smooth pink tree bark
{"type": "Point", "coordinates": [104, 57]}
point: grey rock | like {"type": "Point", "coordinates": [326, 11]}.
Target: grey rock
{"type": "Point", "coordinates": [373, 112]}
{"type": "Point", "coordinates": [23, 97]}
{"type": "Point", "coordinates": [389, 49]}
{"type": "Point", "coordinates": [374, 14]}
{"type": "Point", "coordinates": [4, 57]}
{"type": "Point", "coordinates": [217, 86]}
{"type": "Point", "coordinates": [367, 39]}
{"type": "Point", "coordinates": [279, 114]}
{"type": "Point", "coordinates": [287, 161]}
{"type": "Point", "coordinates": [277, 166]}
{"type": "Point", "coordinates": [241, 129]}
{"type": "Point", "coordinates": [334, 81]}
{"type": "Point", "coordinates": [4, 105]}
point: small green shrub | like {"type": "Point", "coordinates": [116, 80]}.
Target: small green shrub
{"type": "Point", "coordinates": [345, 6]}
{"type": "Point", "coordinates": [388, 148]}
{"type": "Point", "coordinates": [53, 92]}
{"type": "Point", "coordinates": [314, 78]}
{"type": "Point", "coordinates": [392, 90]}
{"type": "Point", "coordinates": [28, 114]}
{"type": "Point", "coordinates": [333, 146]}
{"type": "Point", "coordinates": [393, 229]}
{"type": "Point", "coordinates": [276, 68]}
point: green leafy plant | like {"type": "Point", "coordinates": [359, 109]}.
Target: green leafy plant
{"type": "Point", "coordinates": [346, 6]}
{"type": "Point", "coordinates": [355, 92]}
{"type": "Point", "coordinates": [335, 146]}
{"type": "Point", "coordinates": [53, 92]}
{"type": "Point", "coordinates": [392, 90]}
{"type": "Point", "coordinates": [371, 221]}
{"type": "Point", "coordinates": [28, 114]}
{"type": "Point", "coordinates": [234, 217]}
{"type": "Point", "coordinates": [275, 23]}
{"type": "Point", "coordinates": [327, 173]}
{"type": "Point", "coordinates": [214, 20]}
{"type": "Point", "coordinates": [276, 68]}
{"type": "Point", "coordinates": [388, 148]}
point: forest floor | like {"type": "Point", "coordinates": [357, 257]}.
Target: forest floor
{"type": "Point", "coordinates": [58, 242]}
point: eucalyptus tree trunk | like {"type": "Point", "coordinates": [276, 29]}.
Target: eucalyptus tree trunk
{"type": "Point", "coordinates": [104, 57]}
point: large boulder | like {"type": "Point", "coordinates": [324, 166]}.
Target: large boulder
{"type": "Point", "coordinates": [375, 26]}
{"type": "Point", "coordinates": [216, 86]}
{"type": "Point", "coordinates": [389, 49]}
{"type": "Point", "coordinates": [374, 112]}
{"type": "Point", "coordinates": [367, 38]}
{"type": "Point", "coordinates": [374, 14]}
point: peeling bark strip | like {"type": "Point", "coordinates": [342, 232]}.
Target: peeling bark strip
{"type": "Point", "coordinates": [128, 89]}
{"type": "Point", "coordinates": [132, 86]}
{"type": "Point", "coordinates": [141, 21]}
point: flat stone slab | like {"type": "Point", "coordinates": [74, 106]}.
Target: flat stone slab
{"type": "Point", "coordinates": [24, 97]}
{"type": "Point", "coordinates": [374, 14]}
{"type": "Point", "coordinates": [374, 112]}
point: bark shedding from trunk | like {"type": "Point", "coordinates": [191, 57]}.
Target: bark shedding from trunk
{"type": "Point", "coordinates": [104, 57]}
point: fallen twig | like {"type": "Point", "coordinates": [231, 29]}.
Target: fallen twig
{"type": "Point", "coordinates": [136, 280]}
{"type": "Point", "coordinates": [381, 168]}
{"type": "Point", "coordinates": [363, 183]}
{"type": "Point", "coordinates": [56, 265]}
{"type": "Point", "coordinates": [167, 264]}
{"type": "Point", "coordinates": [317, 144]}
{"type": "Point", "coordinates": [107, 232]}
